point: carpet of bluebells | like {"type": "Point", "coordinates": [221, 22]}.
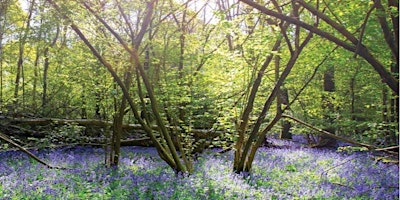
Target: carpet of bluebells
{"type": "Point", "coordinates": [292, 172]}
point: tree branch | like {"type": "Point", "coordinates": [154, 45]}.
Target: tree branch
{"type": "Point", "coordinates": [7, 139]}
{"type": "Point", "coordinates": [328, 134]}
{"type": "Point", "coordinates": [389, 38]}
{"type": "Point", "coordinates": [385, 75]}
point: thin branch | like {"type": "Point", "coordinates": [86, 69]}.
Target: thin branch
{"type": "Point", "coordinates": [331, 135]}
{"type": "Point", "coordinates": [7, 139]}
{"type": "Point", "coordinates": [363, 26]}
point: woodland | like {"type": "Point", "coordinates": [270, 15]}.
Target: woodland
{"type": "Point", "coordinates": [188, 79]}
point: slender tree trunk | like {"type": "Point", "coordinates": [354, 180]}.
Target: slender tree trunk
{"type": "Point", "coordinates": [84, 103]}
{"type": "Point", "coordinates": [3, 11]}
{"type": "Point", "coordinates": [97, 108]}
{"type": "Point", "coordinates": [119, 116]}
{"type": "Point", "coordinates": [46, 66]}
{"type": "Point", "coordinates": [244, 120]}
{"type": "Point", "coordinates": [45, 73]}
{"type": "Point", "coordinates": [245, 152]}
{"type": "Point", "coordinates": [35, 80]}
{"type": "Point", "coordinates": [20, 62]}
{"type": "Point", "coordinates": [117, 133]}
{"type": "Point", "coordinates": [182, 24]}
{"type": "Point", "coordinates": [328, 108]}
{"type": "Point", "coordinates": [353, 97]}
{"type": "Point", "coordinates": [282, 98]}
{"type": "Point", "coordinates": [223, 6]}
{"type": "Point", "coordinates": [394, 106]}
{"type": "Point", "coordinates": [385, 117]}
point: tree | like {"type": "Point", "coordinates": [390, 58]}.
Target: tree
{"type": "Point", "coordinates": [20, 67]}
{"type": "Point", "coordinates": [247, 145]}
{"type": "Point", "coordinates": [165, 146]}
{"type": "Point", "coordinates": [3, 19]}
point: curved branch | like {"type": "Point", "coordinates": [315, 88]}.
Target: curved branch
{"type": "Point", "coordinates": [385, 75]}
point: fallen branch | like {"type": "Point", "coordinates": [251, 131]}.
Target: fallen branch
{"type": "Point", "coordinates": [331, 135]}
{"type": "Point", "coordinates": [7, 139]}
{"type": "Point", "coordinates": [202, 133]}
{"type": "Point", "coordinates": [393, 149]}
{"type": "Point", "coordinates": [144, 142]}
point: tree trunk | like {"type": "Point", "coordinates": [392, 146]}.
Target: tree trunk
{"type": "Point", "coordinates": [45, 73]}
{"type": "Point", "coordinates": [394, 105]}
{"type": "Point", "coordinates": [246, 149]}
{"type": "Point", "coordinates": [83, 100]}
{"type": "Point", "coordinates": [328, 108]}
{"type": "Point", "coordinates": [46, 66]}
{"type": "Point", "coordinates": [282, 98]}
{"type": "Point", "coordinates": [286, 125]}
{"type": "Point", "coordinates": [20, 62]}
{"type": "Point", "coordinates": [224, 6]}
{"type": "Point", "coordinates": [167, 151]}
{"type": "Point", "coordinates": [115, 142]}
{"type": "Point", "coordinates": [35, 80]}
{"type": "Point", "coordinates": [385, 118]}
{"type": "Point", "coordinates": [3, 12]}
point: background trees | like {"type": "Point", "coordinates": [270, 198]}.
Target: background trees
{"type": "Point", "coordinates": [215, 65]}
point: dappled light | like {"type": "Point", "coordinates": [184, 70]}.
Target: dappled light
{"type": "Point", "coordinates": [199, 99]}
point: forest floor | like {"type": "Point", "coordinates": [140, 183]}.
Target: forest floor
{"type": "Point", "coordinates": [289, 170]}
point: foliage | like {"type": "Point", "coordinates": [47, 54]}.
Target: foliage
{"type": "Point", "coordinates": [61, 135]}
{"type": "Point", "coordinates": [202, 59]}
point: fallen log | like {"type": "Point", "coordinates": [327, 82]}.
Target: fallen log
{"type": "Point", "coordinates": [331, 135]}
{"type": "Point", "coordinates": [144, 142]}
{"type": "Point", "coordinates": [202, 138]}
{"type": "Point", "coordinates": [17, 130]}
{"type": "Point", "coordinates": [201, 133]}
